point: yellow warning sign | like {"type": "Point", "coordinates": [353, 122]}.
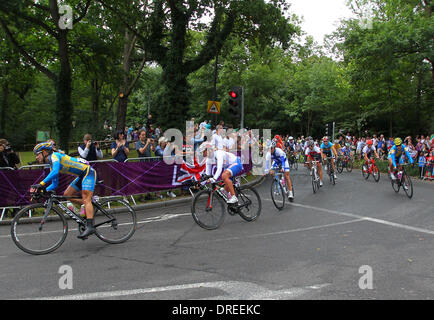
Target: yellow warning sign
{"type": "Point", "coordinates": [214, 107]}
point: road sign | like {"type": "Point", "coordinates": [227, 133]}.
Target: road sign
{"type": "Point", "coordinates": [214, 107]}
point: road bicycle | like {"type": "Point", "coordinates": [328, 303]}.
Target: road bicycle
{"type": "Point", "coordinates": [41, 228]}
{"type": "Point", "coordinates": [279, 189]}
{"type": "Point", "coordinates": [402, 180]}
{"type": "Point", "coordinates": [209, 205]}
{"type": "Point", "coordinates": [314, 175]}
{"type": "Point", "coordinates": [371, 169]}
{"type": "Point", "coordinates": [344, 162]}
{"type": "Point", "coordinates": [293, 160]}
{"type": "Point", "coordinates": [330, 170]}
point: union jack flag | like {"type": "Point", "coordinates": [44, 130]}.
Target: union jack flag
{"type": "Point", "coordinates": [191, 171]}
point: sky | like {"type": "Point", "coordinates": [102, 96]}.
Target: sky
{"type": "Point", "coordinates": [320, 17]}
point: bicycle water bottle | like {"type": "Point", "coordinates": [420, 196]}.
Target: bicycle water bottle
{"type": "Point", "coordinates": [223, 192]}
{"type": "Point", "coordinates": [70, 206]}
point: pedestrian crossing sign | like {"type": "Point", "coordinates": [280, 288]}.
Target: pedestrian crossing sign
{"type": "Point", "coordinates": [214, 107]}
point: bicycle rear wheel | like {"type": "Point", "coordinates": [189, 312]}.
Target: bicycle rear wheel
{"type": "Point", "coordinates": [365, 171]}
{"type": "Point", "coordinates": [208, 214]}
{"type": "Point", "coordinates": [250, 204]}
{"type": "Point", "coordinates": [407, 185]}
{"type": "Point", "coordinates": [277, 194]}
{"type": "Point", "coordinates": [115, 220]}
{"type": "Point", "coordinates": [396, 184]}
{"type": "Point", "coordinates": [34, 237]}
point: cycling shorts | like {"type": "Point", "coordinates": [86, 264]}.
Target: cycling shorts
{"type": "Point", "coordinates": [85, 181]}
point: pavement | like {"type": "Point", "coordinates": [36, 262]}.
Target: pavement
{"type": "Point", "coordinates": [357, 239]}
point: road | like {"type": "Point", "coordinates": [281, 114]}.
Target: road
{"type": "Point", "coordinates": [355, 240]}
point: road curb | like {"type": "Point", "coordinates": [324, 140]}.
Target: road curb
{"type": "Point", "coordinates": [166, 203]}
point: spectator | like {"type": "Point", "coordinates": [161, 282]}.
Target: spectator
{"type": "Point", "coordinates": [149, 123]}
{"type": "Point", "coordinates": [143, 145]}
{"type": "Point", "coordinates": [3, 158]}
{"type": "Point", "coordinates": [120, 147]}
{"type": "Point", "coordinates": [157, 132]}
{"type": "Point", "coordinates": [12, 158]}
{"type": "Point", "coordinates": [161, 146]}
{"type": "Point", "coordinates": [90, 150]}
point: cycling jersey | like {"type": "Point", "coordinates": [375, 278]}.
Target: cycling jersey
{"type": "Point", "coordinates": [62, 163]}
{"type": "Point", "coordinates": [346, 151]}
{"type": "Point", "coordinates": [278, 159]}
{"type": "Point", "coordinates": [368, 150]}
{"type": "Point", "coordinates": [396, 154]}
{"type": "Point", "coordinates": [337, 148]}
{"type": "Point", "coordinates": [327, 148]}
{"type": "Point", "coordinates": [224, 160]}
{"type": "Point", "coordinates": [291, 146]}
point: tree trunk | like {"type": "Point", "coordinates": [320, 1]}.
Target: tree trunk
{"type": "Point", "coordinates": [64, 108]}
{"type": "Point", "coordinates": [4, 109]}
{"type": "Point", "coordinates": [121, 113]}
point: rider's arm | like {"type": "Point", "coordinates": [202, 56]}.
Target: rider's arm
{"type": "Point", "coordinates": [220, 160]}
{"type": "Point", "coordinates": [410, 159]}
{"type": "Point", "coordinates": [392, 156]}
{"type": "Point", "coordinates": [267, 162]}
{"type": "Point", "coordinates": [53, 176]}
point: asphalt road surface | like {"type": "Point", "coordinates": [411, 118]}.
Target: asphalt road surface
{"type": "Point", "coordinates": [355, 240]}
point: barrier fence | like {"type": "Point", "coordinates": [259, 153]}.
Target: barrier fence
{"type": "Point", "coordinates": [135, 176]}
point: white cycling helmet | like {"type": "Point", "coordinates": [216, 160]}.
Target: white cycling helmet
{"type": "Point", "coordinates": [204, 146]}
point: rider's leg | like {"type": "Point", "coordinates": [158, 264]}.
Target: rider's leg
{"type": "Point", "coordinates": [73, 191]}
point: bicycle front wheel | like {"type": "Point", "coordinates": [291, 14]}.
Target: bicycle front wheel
{"type": "Point", "coordinates": [314, 181]}
{"type": "Point", "coordinates": [349, 165]}
{"type": "Point", "coordinates": [208, 209]}
{"type": "Point", "coordinates": [407, 185]}
{"type": "Point", "coordinates": [34, 236]}
{"type": "Point", "coordinates": [115, 220]}
{"type": "Point", "coordinates": [277, 194]}
{"type": "Point", "coordinates": [340, 165]}
{"type": "Point", "coordinates": [250, 204]}
{"type": "Point", "coordinates": [376, 173]}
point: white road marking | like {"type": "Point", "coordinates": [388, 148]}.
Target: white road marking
{"type": "Point", "coordinates": [274, 233]}
{"type": "Point", "coordinates": [234, 290]}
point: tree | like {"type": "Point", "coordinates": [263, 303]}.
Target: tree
{"type": "Point", "coordinates": [43, 20]}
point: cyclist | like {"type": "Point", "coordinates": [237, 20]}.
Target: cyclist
{"type": "Point", "coordinates": [368, 151]}
{"type": "Point", "coordinates": [279, 141]}
{"type": "Point", "coordinates": [227, 162]}
{"type": "Point", "coordinates": [313, 152]}
{"type": "Point", "coordinates": [291, 146]}
{"type": "Point", "coordinates": [85, 181]}
{"type": "Point", "coordinates": [278, 158]}
{"type": "Point", "coordinates": [396, 154]}
{"type": "Point", "coordinates": [346, 150]}
{"type": "Point", "coordinates": [328, 150]}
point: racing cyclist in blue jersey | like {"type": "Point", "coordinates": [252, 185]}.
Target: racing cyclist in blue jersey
{"type": "Point", "coordinates": [85, 181]}
{"type": "Point", "coordinates": [278, 158]}
{"type": "Point", "coordinates": [396, 153]}
{"type": "Point", "coordinates": [328, 150]}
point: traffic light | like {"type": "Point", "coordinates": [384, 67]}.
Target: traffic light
{"type": "Point", "coordinates": [327, 129]}
{"type": "Point", "coordinates": [235, 102]}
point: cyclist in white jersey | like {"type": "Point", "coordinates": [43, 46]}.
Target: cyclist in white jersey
{"type": "Point", "coordinates": [227, 163]}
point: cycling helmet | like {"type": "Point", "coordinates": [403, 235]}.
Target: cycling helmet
{"type": "Point", "coordinates": [336, 141]}
{"type": "Point", "coordinates": [347, 144]}
{"type": "Point", "coordinates": [397, 141]}
{"type": "Point", "coordinates": [325, 138]}
{"type": "Point", "coordinates": [43, 146]}
{"type": "Point", "coordinates": [310, 143]}
{"type": "Point", "coordinates": [290, 138]}
{"type": "Point", "coordinates": [204, 146]}
{"type": "Point", "coordinates": [273, 144]}
{"type": "Point", "coordinates": [369, 142]}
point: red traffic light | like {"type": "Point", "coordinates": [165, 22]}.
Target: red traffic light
{"type": "Point", "coordinates": [233, 94]}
